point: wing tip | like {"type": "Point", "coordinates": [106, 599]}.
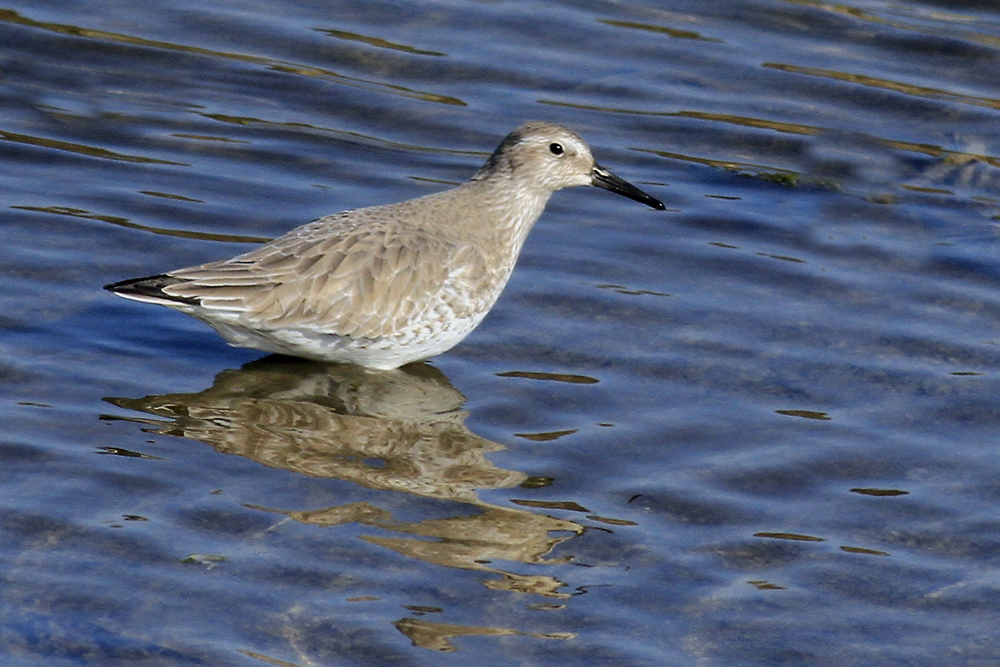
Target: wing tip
{"type": "Point", "coordinates": [150, 289]}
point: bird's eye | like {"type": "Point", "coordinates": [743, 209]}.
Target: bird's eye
{"type": "Point", "coordinates": [556, 149]}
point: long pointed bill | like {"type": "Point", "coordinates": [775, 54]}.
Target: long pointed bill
{"type": "Point", "coordinates": [603, 178]}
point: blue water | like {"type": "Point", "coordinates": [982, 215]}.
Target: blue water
{"type": "Point", "coordinates": [757, 429]}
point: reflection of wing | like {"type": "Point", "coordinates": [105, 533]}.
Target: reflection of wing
{"type": "Point", "coordinates": [329, 420]}
{"type": "Point", "coordinates": [366, 281]}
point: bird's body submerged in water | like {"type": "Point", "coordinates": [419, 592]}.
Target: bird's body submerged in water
{"type": "Point", "coordinates": [386, 285]}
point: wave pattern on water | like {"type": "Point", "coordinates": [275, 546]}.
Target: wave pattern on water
{"type": "Point", "coordinates": [757, 429]}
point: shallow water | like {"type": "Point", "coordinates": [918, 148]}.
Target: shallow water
{"type": "Point", "coordinates": [757, 429]}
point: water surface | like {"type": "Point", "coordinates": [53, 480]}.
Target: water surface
{"type": "Point", "coordinates": [757, 429]}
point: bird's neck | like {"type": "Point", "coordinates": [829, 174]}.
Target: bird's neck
{"type": "Point", "coordinates": [508, 211]}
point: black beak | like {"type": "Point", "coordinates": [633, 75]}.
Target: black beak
{"type": "Point", "coordinates": [603, 178]}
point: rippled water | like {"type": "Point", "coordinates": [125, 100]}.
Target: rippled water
{"type": "Point", "coordinates": [758, 429]}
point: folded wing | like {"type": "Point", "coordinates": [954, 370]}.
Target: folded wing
{"type": "Point", "coordinates": [367, 283]}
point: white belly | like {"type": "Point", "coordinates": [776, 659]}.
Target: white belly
{"type": "Point", "coordinates": [415, 343]}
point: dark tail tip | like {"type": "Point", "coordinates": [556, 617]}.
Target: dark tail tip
{"type": "Point", "coordinates": [149, 287]}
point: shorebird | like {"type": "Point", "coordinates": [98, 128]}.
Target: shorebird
{"type": "Point", "coordinates": [387, 285]}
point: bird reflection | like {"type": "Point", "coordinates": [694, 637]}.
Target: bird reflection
{"type": "Point", "coordinates": [401, 430]}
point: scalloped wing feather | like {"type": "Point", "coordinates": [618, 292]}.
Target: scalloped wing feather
{"type": "Point", "coordinates": [367, 283]}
